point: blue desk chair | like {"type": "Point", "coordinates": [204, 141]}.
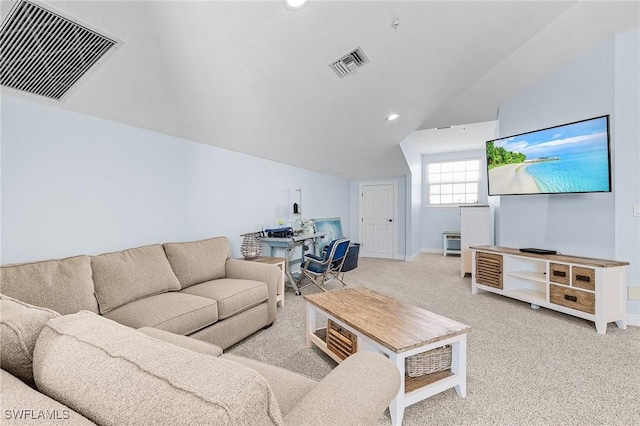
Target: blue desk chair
{"type": "Point", "coordinates": [320, 270]}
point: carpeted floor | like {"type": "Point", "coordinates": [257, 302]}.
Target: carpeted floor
{"type": "Point", "coordinates": [524, 366]}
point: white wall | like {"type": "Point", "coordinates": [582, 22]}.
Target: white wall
{"type": "Point", "coordinates": [436, 220]}
{"type": "Point", "coordinates": [627, 171]}
{"type": "Point", "coordinates": [579, 224]}
{"type": "Point", "coordinates": [605, 80]}
{"type": "Point", "coordinates": [75, 184]}
{"type": "Point", "coordinates": [413, 213]}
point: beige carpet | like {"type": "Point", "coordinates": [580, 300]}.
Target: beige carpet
{"type": "Point", "coordinates": [524, 366]}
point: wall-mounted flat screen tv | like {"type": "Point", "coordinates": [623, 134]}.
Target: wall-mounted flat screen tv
{"type": "Point", "coordinates": [570, 158]}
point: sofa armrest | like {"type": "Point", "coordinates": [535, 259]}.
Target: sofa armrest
{"type": "Point", "coordinates": [183, 341]}
{"type": "Point", "coordinates": [270, 274]}
{"type": "Point", "coordinates": [356, 392]}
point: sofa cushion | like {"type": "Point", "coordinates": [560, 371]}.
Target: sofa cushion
{"type": "Point", "coordinates": [64, 285]}
{"type": "Point", "coordinates": [174, 312]}
{"type": "Point", "coordinates": [130, 275]}
{"type": "Point", "coordinates": [143, 380]}
{"type": "Point", "coordinates": [20, 325]}
{"type": "Point", "coordinates": [23, 405]}
{"type": "Point", "coordinates": [233, 296]}
{"type": "Point", "coordinates": [232, 330]}
{"type": "Point", "coordinates": [281, 381]}
{"type": "Point", "coordinates": [183, 341]}
{"type": "Point", "coordinates": [198, 261]}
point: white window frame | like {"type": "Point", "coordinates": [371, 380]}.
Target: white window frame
{"type": "Point", "coordinates": [478, 182]}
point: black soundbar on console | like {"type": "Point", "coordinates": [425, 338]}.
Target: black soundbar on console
{"type": "Point", "coordinates": [537, 250]}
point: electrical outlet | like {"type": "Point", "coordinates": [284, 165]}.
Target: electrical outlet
{"type": "Point", "coordinates": [634, 293]}
{"type": "Point", "coordinates": [636, 210]}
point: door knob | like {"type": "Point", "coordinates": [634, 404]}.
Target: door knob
{"type": "Point", "coordinates": [390, 220]}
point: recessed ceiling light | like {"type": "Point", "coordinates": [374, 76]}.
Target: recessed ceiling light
{"type": "Point", "coordinates": [393, 117]}
{"type": "Point", "coordinates": [295, 4]}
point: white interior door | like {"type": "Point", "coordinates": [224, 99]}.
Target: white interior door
{"type": "Point", "coordinates": [377, 218]}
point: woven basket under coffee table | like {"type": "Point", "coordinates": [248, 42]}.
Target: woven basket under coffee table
{"type": "Point", "coordinates": [428, 362]}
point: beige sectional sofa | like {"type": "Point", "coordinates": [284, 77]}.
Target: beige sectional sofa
{"type": "Point", "coordinates": [83, 368]}
{"type": "Point", "coordinates": [191, 288]}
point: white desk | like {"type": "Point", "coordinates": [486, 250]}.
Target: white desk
{"type": "Point", "coordinates": [290, 244]}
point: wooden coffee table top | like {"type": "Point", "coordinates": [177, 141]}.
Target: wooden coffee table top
{"type": "Point", "coordinates": [393, 324]}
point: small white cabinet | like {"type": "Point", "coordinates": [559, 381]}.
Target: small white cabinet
{"type": "Point", "coordinates": [450, 243]}
{"type": "Point", "coordinates": [474, 231]}
{"type": "Point", "coordinates": [593, 289]}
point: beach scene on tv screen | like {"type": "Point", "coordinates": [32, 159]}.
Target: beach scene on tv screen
{"type": "Point", "coordinates": [569, 158]}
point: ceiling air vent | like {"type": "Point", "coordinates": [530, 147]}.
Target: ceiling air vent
{"type": "Point", "coordinates": [44, 53]}
{"type": "Point", "coordinates": [350, 62]}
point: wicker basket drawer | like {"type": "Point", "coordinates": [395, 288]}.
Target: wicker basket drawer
{"type": "Point", "coordinates": [340, 341]}
{"type": "Point", "coordinates": [432, 361]}
{"type": "Point", "coordinates": [489, 269]}
{"type": "Point", "coordinates": [559, 273]}
{"type": "Point", "coordinates": [574, 299]}
{"type": "Point", "coordinates": [583, 278]}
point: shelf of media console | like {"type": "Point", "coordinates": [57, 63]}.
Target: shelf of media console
{"type": "Point", "coordinates": [525, 277]}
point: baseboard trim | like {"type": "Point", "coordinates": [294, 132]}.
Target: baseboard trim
{"type": "Point", "coordinates": [414, 256]}
{"type": "Point", "coordinates": [633, 320]}
{"type": "Point", "coordinates": [432, 250]}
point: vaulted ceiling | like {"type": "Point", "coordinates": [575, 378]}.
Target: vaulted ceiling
{"type": "Point", "coordinates": [253, 76]}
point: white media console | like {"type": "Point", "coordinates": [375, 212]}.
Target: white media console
{"type": "Point", "coordinates": [593, 289]}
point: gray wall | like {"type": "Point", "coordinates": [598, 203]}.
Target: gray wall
{"type": "Point", "coordinates": [75, 184]}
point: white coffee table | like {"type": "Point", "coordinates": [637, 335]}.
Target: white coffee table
{"type": "Point", "coordinates": [398, 330]}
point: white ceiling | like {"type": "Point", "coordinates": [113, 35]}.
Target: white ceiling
{"type": "Point", "coordinates": [466, 137]}
{"type": "Point", "coordinates": [253, 77]}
